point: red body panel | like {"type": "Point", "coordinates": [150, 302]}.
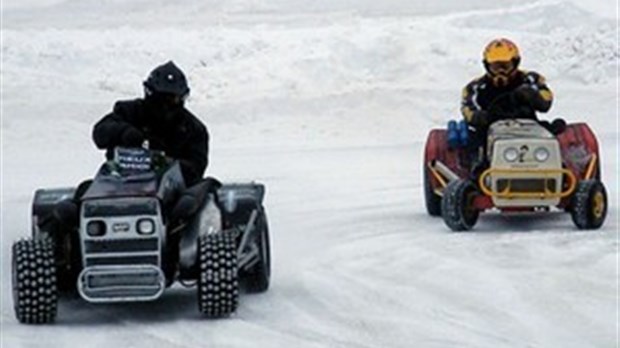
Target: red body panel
{"type": "Point", "coordinates": [578, 144]}
{"type": "Point", "coordinates": [437, 149]}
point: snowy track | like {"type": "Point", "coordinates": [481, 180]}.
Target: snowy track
{"type": "Point", "coordinates": [329, 106]}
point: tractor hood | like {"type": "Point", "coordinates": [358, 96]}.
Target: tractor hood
{"type": "Point", "coordinates": [518, 132]}
{"type": "Point", "coordinates": [518, 128]}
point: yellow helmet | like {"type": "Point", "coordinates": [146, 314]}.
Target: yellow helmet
{"type": "Point", "coordinates": [501, 59]}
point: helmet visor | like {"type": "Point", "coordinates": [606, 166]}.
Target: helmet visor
{"type": "Point", "coordinates": [501, 67]}
{"type": "Point", "coordinates": [166, 99]}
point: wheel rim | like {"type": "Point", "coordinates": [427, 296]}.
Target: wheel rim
{"type": "Point", "coordinates": [469, 211]}
{"type": "Point", "coordinates": [598, 204]}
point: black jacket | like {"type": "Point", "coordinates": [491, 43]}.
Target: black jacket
{"type": "Point", "coordinates": [523, 97]}
{"type": "Point", "coordinates": [184, 138]}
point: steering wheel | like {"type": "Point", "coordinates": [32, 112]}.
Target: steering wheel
{"type": "Point", "coordinates": [507, 106]}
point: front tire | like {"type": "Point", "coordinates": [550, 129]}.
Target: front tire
{"type": "Point", "coordinates": [218, 285]}
{"type": "Point", "coordinates": [589, 205]}
{"type": "Point", "coordinates": [35, 296]}
{"type": "Point", "coordinates": [457, 206]}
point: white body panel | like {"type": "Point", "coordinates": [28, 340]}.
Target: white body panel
{"type": "Point", "coordinates": [525, 138]}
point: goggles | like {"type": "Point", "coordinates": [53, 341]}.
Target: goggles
{"type": "Point", "coordinates": [167, 98]}
{"type": "Point", "coordinates": [501, 68]}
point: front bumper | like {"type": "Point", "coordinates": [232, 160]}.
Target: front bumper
{"type": "Point", "coordinates": [527, 187]}
{"type": "Point", "coordinates": [105, 284]}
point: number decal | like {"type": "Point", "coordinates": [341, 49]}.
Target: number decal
{"type": "Point", "coordinates": [522, 152]}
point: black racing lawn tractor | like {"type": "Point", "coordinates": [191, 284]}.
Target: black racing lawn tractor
{"type": "Point", "coordinates": [139, 230]}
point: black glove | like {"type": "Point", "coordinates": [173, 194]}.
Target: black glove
{"type": "Point", "coordinates": [132, 137]}
{"type": "Point", "coordinates": [558, 126]}
{"type": "Point", "coordinates": [525, 94]}
{"type": "Point", "coordinates": [479, 118]}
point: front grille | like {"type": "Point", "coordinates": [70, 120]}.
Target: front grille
{"type": "Point", "coordinates": [104, 284]}
{"type": "Point", "coordinates": [122, 260]}
{"type": "Point", "coordinates": [120, 208]}
{"type": "Point", "coordinates": [121, 245]}
{"type": "Point", "coordinates": [122, 279]}
{"type": "Point", "coordinates": [527, 185]}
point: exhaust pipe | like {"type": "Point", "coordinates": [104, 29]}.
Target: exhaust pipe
{"type": "Point", "coordinates": [442, 169]}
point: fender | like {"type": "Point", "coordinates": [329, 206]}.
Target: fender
{"type": "Point", "coordinates": [437, 150]}
{"type": "Point", "coordinates": [44, 202]}
{"type": "Point", "coordinates": [578, 144]}
{"type": "Point", "coordinates": [237, 203]}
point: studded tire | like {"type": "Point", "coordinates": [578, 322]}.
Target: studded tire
{"type": "Point", "coordinates": [218, 285]}
{"type": "Point", "coordinates": [457, 207]}
{"type": "Point", "coordinates": [35, 296]}
{"type": "Point", "coordinates": [257, 279]}
{"type": "Point", "coordinates": [589, 205]}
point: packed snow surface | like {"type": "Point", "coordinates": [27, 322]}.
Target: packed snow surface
{"type": "Point", "coordinates": [328, 103]}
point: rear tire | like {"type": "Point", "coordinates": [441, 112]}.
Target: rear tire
{"type": "Point", "coordinates": [432, 200]}
{"type": "Point", "coordinates": [218, 286]}
{"type": "Point", "coordinates": [257, 279]}
{"type": "Point", "coordinates": [589, 205]}
{"type": "Point", "coordinates": [457, 205]}
{"type": "Point", "coordinates": [35, 296]}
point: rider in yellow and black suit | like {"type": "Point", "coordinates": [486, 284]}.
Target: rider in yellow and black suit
{"type": "Point", "coordinates": [504, 91]}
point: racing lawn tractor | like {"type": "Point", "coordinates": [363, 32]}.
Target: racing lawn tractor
{"type": "Point", "coordinates": [528, 169]}
{"type": "Point", "coordinates": [139, 231]}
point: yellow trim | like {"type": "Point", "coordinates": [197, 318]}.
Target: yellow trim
{"type": "Point", "coordinates": [515, 173]}
{"type": "Point", "coordinates": [437, 175]}
{"type": "Point", "coordinates": [467, 113]}
{"type": "Point", "coordinates": [591, 166]}
{"type": "Point", "coordinates": [546, 94]}
{"type": "Point", "coordinates": [500, 50]}
{"type": "Point", "coordinates": [598, 205]}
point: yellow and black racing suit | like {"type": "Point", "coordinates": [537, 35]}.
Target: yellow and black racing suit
{"type": "Point", "coordinates": [484, 103]}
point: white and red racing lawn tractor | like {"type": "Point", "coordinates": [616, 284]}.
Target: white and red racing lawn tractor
{"type": "Point", "coordinates": [529, 170]}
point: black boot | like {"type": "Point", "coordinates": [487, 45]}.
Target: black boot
{"type": "Point", "coordinates": [556, 127]}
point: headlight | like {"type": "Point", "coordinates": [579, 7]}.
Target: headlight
{"type": "Point", "coordinates": [145, 226]}
{"type": "Point", "coordinates": [541, 154]}
{"type": "Point", "coordinates": [95, 228]}
{"type": "Point", "coordinates": [511, 154]}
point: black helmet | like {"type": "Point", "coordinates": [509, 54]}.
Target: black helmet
{"type": "Point", "coordinates": [167, 79]}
